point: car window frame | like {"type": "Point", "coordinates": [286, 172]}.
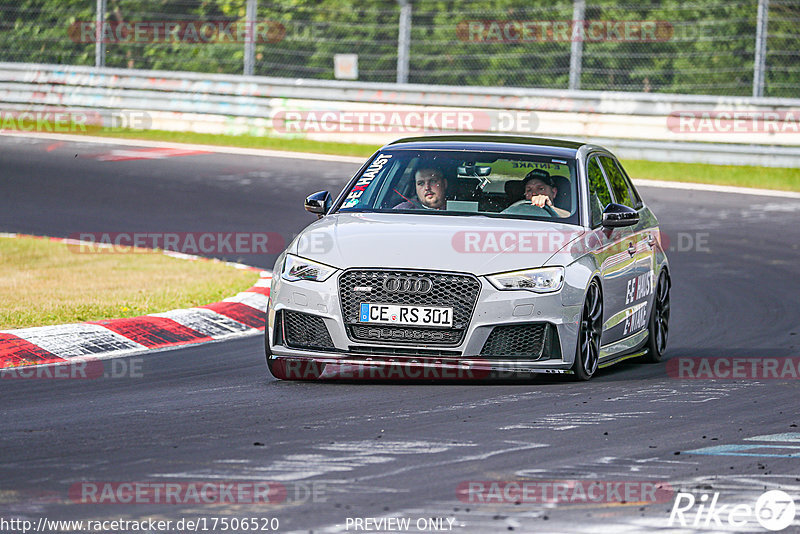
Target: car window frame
{"type": "Point", "coordinates": [611, 194]}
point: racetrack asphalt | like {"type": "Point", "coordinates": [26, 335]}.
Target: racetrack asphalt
{"type": "Point", "coordinates": [358, 450]}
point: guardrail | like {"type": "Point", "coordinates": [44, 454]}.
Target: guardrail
{"type": "Point", "coordinates": [689, 128]}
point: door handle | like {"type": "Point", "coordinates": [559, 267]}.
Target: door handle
{"type": "Point", "coordinates": [631, 249]}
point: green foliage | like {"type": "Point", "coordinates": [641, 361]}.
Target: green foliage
{"type": "Point", "coordinates": [36, 31]}
{"type": "Point", "coordinates": [783, 49]}
{"type": "Point", "coordinates": [703, 46]}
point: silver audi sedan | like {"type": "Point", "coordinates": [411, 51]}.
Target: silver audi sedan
{"type": "Point", "coordinates": [471, 257]}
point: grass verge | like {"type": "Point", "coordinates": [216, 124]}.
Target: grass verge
{"type": "Point", "coordinates": [244, 141]}
{"type": "Point", "coordinates": [46, 283]}
{"type": "Point", "coordinates": [786, 179]}
{"type": "Point", "coordinates": [743, 176]}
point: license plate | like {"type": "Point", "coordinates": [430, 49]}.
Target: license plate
{"type": "Point", "coordinates": [406, 315]}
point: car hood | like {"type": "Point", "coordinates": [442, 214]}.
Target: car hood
{"type": "Point", "coordinates": [476, 244]}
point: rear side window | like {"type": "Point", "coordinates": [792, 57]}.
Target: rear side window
{"type": "Point", "coordinates": [637, 200]}
{"type": "Point", "coordinates": [623, 190]}
{"type": "Point", "coordinates": [599, 195]}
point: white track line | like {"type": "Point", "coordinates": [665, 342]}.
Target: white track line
{"type": "Point", "coordinates": [260, 152]}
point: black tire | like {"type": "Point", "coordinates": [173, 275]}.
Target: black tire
{"type": "Point", "coordinates": [587, 354]}
{"type": "Point", "coordinates": [658, 327]}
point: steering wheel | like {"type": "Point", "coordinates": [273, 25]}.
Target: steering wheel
{"type": "Point", "coordinates": [520, 207]}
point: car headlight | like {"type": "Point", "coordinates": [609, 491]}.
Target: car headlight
{"type": "Point", "coordinates": [544, 280]}
{"type": "Point", "coordinates": [296, 268]}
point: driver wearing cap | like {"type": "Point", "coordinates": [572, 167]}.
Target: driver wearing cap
{"type": "Point", "coordinates": [540, 189]}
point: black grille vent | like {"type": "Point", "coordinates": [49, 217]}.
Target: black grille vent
{"type": "Point", "coordinates": [517, 341]}
{"type": "Point", "coordinates": [305, 331]}
{"type": "Point", "coordinates": [278, 329]}
{"type": "Point", "coordinates": [459, 291]}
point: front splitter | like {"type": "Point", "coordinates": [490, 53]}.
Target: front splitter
{"type": "Point", "coordinates": [406, 368]}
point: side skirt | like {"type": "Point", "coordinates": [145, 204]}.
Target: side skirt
{"type": "Point", "coordinates": [630, 347]}
{"type": "Point", "coordinates": [622, 358]}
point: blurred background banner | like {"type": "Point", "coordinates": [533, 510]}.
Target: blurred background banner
{"type": "Point", "coordinates": [704, 47]}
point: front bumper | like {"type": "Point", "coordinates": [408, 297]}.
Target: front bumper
{"type": "Point", "coordinates": [347, 358]}
{"type": "Point", "coordinates": [362, 367]}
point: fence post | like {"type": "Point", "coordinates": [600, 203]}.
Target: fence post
{"type": "Point", "coordinates": [760, 59]}
{"type": "Point", "coordinates": [576, 50]}
{"type": "Point", "coordinates": [403, 41]}
{"type": "Point", "coordinates": [99, 43]}
{"type": "Point", "coordinates": [250, 39]}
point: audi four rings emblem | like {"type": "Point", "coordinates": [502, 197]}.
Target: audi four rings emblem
{"type": "Point", "coordinates": [396, 284]}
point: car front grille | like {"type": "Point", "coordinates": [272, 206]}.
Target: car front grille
{"type": "Point", "coordinates": [457, 291]}
{"type": "Point", "coordinates": [528, 341]}
{"type": "Point", "coordinates": [409, 352]}
{"type": "Point", "coordinates": [304, 331]}
{"type": "Point", "coordinates": [404, 334]}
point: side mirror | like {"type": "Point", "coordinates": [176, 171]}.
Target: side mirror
{"type": "Point", "coordinates": [617, 216]}
{"type": "Point", "coordinates": [319, 203]}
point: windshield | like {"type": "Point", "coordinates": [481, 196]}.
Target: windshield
{"type": "Point", "coordinates": [493, 184]}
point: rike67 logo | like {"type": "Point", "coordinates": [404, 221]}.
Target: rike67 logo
{"type": "Point", "coordinates": [774, 510]}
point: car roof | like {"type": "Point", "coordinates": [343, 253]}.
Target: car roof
{"type": "Point", "coordinates": [491, 143]}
